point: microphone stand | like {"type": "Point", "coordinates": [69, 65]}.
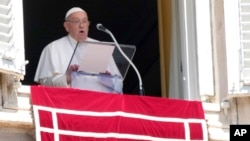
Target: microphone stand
{"type": "Point", "coordinates": [101, 28]}
{"type": "Point", "coordinates": [72, 56]}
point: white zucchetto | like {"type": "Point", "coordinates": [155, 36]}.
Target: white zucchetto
{"type": "Point", "coordinates": [73, 10]}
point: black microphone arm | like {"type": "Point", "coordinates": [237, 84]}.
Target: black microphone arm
{"type": "Point", "coordinates": [102, 28]}
{"type": "Point", "coordinates": [72, 55]}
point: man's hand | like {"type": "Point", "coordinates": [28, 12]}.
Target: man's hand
{"type": "Point", "coordinates": [71, 68]}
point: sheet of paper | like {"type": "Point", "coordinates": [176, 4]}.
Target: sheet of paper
{"type": "Point", "coordinates": [96, 58]}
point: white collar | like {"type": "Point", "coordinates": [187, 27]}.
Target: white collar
{"type": "Point", "coordinates": [72, 40]}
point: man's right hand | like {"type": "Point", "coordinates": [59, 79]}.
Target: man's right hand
{"type": "Point", "coordinates": [71, 68]}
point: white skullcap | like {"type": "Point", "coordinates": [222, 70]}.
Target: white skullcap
{"type": "Point", "coordinates": [73, 10]}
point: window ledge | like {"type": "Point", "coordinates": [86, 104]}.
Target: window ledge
{"type": "Point", "coordinates": [237, 95]}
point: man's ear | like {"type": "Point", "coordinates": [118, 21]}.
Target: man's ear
{"type": "Point", "coordinates": [65, 24]}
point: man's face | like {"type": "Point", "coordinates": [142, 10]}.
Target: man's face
{"type": "Point", "coordinates": [77, 25]}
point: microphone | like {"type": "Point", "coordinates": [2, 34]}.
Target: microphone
{"type": "Point", "coordinates": [102, 28]}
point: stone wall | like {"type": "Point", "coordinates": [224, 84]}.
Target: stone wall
{"type": "Point", "coordinates": [18, 125]}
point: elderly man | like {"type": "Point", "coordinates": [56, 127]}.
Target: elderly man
{"type": "Point", "coordinates": [54, 69]}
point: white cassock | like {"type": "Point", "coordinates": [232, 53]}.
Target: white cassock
{"type": "Point", "coordinates": [54, 61]}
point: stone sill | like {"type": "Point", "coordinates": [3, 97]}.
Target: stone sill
{"type": "Point", "coordinates": [211, 107]}
{"type": "Point", "coordinates": [237, 95]}
{"type": "Point", "coordinates": [22, 119]}
{"type": "Point", "coordinates": [217, 134]}
{"type": "Point", "coordinates": [24, 90]}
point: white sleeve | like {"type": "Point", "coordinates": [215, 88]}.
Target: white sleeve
{"type": "Point", "coordinates": [57, 81]}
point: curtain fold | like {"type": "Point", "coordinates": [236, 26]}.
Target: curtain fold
{"type": "Point", "coordinates": [164, 21]}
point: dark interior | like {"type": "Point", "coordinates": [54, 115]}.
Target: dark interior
{"type": "Point", "coordinates": [132, 22]}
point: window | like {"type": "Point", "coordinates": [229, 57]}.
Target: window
{"type": "Point", "coordinates": [11, 38]}
{"type": "Point", "coordinates": [244, 22]}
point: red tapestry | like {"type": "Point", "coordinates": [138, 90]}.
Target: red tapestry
{"type": "Point", "coordinates": [67, 114]}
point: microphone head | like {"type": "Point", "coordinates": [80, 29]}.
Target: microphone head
{"type": "Point", "coordinates": [100, 27]}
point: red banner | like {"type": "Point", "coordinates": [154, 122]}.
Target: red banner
{"type": "Point", "coordinates": [67, 114]}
